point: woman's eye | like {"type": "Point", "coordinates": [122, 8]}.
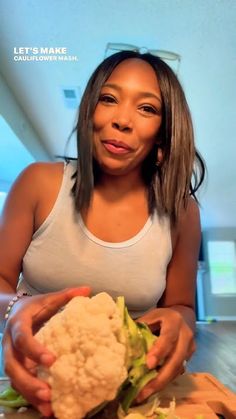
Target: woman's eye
{"type": "Point", "coordinates": [149, 109]}
{"type": "Point", "coordinates": [106, 99]}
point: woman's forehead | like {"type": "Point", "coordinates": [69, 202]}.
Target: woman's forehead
{"type": "Point", "coordinates": [134, 70]}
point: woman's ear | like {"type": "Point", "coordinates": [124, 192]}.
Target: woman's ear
{"type": "Point", "coordinates": [158, 141]}
{"type": "Point", "coordinates": [159, 156]}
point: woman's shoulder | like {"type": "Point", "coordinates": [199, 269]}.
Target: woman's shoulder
{"type": "Point", "coordinates": [191, 212]}
{"type": "Point", "coordinates": [38, 182]}
{"type": "Point", "coordinates": [41, 175]}
{"type": "Point", "coordinates": [188, 214]}
{"type": "Point", "coordinates": [39, 170]}
{"type": "Point", "coordinates": [35, 186]}
{"type": "Point", "coordinates": [42, 182]}
{"type": "Point", "coordinates": [188, 221]}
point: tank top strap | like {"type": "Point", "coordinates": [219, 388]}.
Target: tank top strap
{"type": "Point", "coordinates": [64, 192]}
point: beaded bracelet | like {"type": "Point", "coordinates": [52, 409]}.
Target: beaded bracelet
{"type": "Point", "coordinates": [13, 301]}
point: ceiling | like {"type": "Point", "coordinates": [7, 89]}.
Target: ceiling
{"type": "Point", "coordinates": [202, 32]}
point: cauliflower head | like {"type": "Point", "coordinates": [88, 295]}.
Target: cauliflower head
{"type": "Point", "coordinates": [90, 348]}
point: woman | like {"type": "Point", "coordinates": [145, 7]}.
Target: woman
{"type": "Point", "coordinates": [121, 221]}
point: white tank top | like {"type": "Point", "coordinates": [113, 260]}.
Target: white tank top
{"type": "Point", "coordinates": [63, 253]}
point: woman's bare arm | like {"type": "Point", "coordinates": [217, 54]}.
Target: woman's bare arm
{"type": "Point", "coordinates": [174, 316]}
{"type": "Point", "coordinates": [16, 230]}
{"type": "Point", "coordinates": [182, 270]}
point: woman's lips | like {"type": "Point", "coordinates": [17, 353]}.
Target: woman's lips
{"type": "Point", "coordinates": [116, 147]}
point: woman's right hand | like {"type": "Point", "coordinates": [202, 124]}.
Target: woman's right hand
{"type": "Point", "coordinates": [22, 352]}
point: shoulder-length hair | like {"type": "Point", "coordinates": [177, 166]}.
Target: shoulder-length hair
{"type": "Point", "coordinates": [181, 170]}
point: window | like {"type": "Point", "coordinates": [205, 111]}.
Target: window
{"type": "Point", "coordinates": [14, 157]}
{"type": "Point", "coordinates": [222, 266]}
{"type": "Point", "coordinates": [2, 200]}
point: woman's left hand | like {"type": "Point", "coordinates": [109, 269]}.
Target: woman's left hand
{"type": "Point", "coordinates": [174, 346]}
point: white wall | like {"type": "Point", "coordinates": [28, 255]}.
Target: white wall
{"type": "Point", "coordinates": [19, 143]}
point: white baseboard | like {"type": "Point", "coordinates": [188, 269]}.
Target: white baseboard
{"type": "Point", "coordinates": [218, 319]}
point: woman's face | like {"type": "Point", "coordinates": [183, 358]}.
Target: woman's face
{"type": "Point", "coordinates": [127, 117]}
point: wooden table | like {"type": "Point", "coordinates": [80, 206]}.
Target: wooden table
{"type": "Point", "coordinates": [195, 394]}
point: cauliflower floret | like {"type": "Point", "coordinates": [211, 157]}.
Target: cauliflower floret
{"type": "Point", "coordinates": [90, 354]}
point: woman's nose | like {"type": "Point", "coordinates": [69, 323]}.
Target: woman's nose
{"type": "Point", "coordinates": [122, 120]}
{"type": "Point", "coordinates": [122, 125]}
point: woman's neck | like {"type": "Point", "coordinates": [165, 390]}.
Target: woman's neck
{"type": "Point", "coordinates": [121, 185]}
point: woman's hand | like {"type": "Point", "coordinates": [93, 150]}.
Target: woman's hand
{"type": "Point", "coordinates": [173, 347]}
{"type": "Point", "coordinates": [22, 352]}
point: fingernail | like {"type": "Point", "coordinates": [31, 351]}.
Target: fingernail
{"type": "Point", "coordinates": [43, 394]}
{"type": "Point", "coordinates": [151, 361]}
{"type": "Point", "coordinates": [47, 359]}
